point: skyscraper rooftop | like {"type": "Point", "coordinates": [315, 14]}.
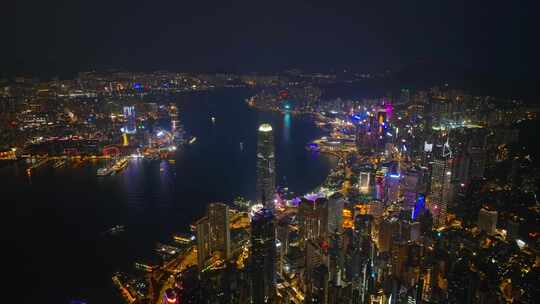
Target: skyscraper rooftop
{"type": "Point", "coordinates": [265, 128]}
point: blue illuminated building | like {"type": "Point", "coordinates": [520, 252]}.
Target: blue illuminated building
{"type": "Point", "coordinates": [419, 206]}
{"type": "Point", "coordinates": [130, 120]}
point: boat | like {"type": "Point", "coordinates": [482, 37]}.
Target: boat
{"type": "Point", "coordinates": [192, 140]}
{"type": "Point", "coordinates": [241, 146]}
{"type": "Point", "coordinates": [59, 164]}
{"type": "Point", "coordinates": [115, 230]}
{"type": "Point", "coordinates": [113, 168]}
{"type": "Point", "coordinates": [104, 171]}
{"type": "Point", "coordinates": [121, 164]}
{"type": "Point", "coordinates": [213, 119]}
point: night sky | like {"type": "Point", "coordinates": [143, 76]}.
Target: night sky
{"type": "Point", "coordinates": [63, 37]}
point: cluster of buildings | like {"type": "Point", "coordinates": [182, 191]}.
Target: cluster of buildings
{"type": "Point", "coordinates": [95, 105]}
{"type": "Point", "coordinates": [415, 212]}
{"type": "Point", "coordinates": [432, 200]}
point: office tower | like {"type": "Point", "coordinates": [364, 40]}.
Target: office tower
{"type": "Point", "coordinates": [478, 163]}
{"type": "Point", "coordinates": [335, 213]}
{"type": "Point", "coordinates": [266, 173]}
{"type": "Point", "coordinates": [487, 221]}
{"type": "Point", "coordinates": [203, 241]}
{"type": "Point", "coordinates": [379, 185]}
{"type": "Point", "coordinates": [308, 222]}
{"type": "Point", "coordinates": [213, 233]}
{"type": "Point", "coordinates": [314, 258]}
{"type": "Point", "coordinates": [362, 229]}
{"type": "Point", "coordinates": [388, 228]}
{"type": "Point", "coordinates": [363, 255]}
{"type": "Point", "coordinates": [413, 184]}
{"type": "Point", "coordinates": [319, 219]}
{"type": "Point", "coordinates": [441, 190]}
{"type": "Point", "coordinates": [392, 187]}
{"type": "Point", "coordinates": [411, 231]}
{"type": "Point", "coordinates": [366, 179]}
{"type": "Point", "coordinates": [398, 257]}
{"type": "Point", "coordinates": [319, 285]}
{"type": "Point", "coordinates": [365, 139]}
{"type": "Point", "coordinates": [364, 182]}
{"type": "Point", "coordinates": [130, 122]}
{"type": "Point", "coordinates": [512, 227]}
{"type": "Point", "coordinates": [220, 235]}
{"type": "Point", "coordinates": [282, 243]}
{"type": "Point", "coordinates": [336, 259]}
{"type": "Point", "coordinates": [470, 155]}
{"type": "Point", "coordinates": [263, 256]}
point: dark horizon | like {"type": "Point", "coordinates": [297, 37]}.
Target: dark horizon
{"type": "Point", "coordinates": [61, 39]}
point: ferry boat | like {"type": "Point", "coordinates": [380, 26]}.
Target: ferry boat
{"type": "Point", "coordinates": [121, 164]}
{"type": "Point", "coordinates": [113, 168]}
{"type": "Point", "coordinates": [115, 230]}
{"type": "Point", "coordinates": [59, 164]}
{"type": "Point", "coordinates": [104, 171]}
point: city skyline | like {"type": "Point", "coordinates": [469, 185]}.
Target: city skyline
{"type": "Point", "coordinates": [286, 152]}
{"type": "Point", "coordinates": [407, 173]}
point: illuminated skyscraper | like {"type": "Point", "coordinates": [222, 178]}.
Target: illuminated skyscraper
{"type": "Point", "coordinates": [130, 124]}
{"type": "Point", "coordinates": [308, 221]}
{"type": "Point", "coordinates": [266, 173]}
{"type": "Point", "coordinates": [203, 241]}
{"type": "Point", "coordinates": [220, 235]}
{"type": "Point", "coordinates": [213, 233]}
{"type": "Point", "coordinates": [335, 213]}
{"type": "Point", "coordinates": [441, 190]}
{"type": "Point", "coordinates": [366, 181]}
{"type": "Point", "coordinates": [263, 257]}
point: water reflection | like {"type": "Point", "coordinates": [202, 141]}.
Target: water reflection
{"type": "Point", "coordinates": [286, 127]}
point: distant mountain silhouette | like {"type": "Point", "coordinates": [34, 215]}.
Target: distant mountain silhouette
{"type": "Point", "coordinates": [425, 73]}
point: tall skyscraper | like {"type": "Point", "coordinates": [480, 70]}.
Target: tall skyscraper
{"type": "Point", "coordinates": [130, 124]}
{"type": "Point", "coordinates": [213, 233]}
{"type": "Point", "coordinates": [364, 182]}
{"type": "Point", "coordinates": [441, 190]}
{"type": "Point", "coordinates": [220, 235]}
{"type": "Point", "coordinates": [308, 221]}
{"type": "Point", "coordinates": [335, 213]}
{"type": "Point", "coordinates": [263, 256]}
{"type": "Point", "coordinates": [266, 173]}
{"type": "Point", "coordinates": [203, 241]}
{"type": "Point", "coordinates": [318, 220]}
